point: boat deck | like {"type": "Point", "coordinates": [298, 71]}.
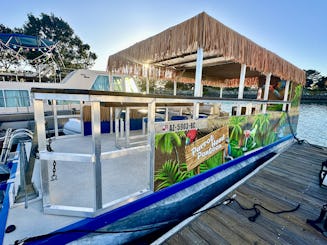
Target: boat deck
{"type": "Point", "coordinates": [288, 180]}
{"type": "Point", "coordinates": [122, 180]}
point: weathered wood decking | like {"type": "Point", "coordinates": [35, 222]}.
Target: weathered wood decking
{"type": "Point", "coordinates": [289, 179]}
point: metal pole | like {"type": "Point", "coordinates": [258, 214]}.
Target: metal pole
{"type": "Point", "coordinates": [241, 87]}
{"type": "Point", "coordinates": [287, 87]}
{"type": "Point", "coordinates": [42, 142]}
{"type": "Point", "coordinates": [81, 114]}
{"type": "Point", "coordinates": [266, 93]}
{"type": "Point", "coordinates": [23, 160]}
{"type": "Point", "coordinates": [111, 120]}
{"type": "Point", "coordinates": [175, 87]}
{"type": "Point", "coordinates": [96, 152]}
{"type": "Point", "coordinates": [127, 125]}
{"type": "Point", "coordinates": [55, 117]}
{"type": "Point", "coordinates": [198, 79]}
{"type": "Point", "coordinates": [151, 142]}
{"type": "Point", "coordinates": [242, 81]}
{"type": "Point", "coordinates": [198, 73]}
{"type": "Point", "coordinates": [117, 113]}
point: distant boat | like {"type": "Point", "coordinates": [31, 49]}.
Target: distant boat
{"type": "Point", "coordinates": [17, 104]}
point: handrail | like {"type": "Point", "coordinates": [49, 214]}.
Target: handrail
{"type": "Point", "coordinates": [11, 137]}
{"type": "Point", "coordinates": [119, 101]}
{"type": "Point", "coordinates": [164, 98]}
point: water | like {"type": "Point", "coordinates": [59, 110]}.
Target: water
{"type": "Point", "coordinates": [312, 124]}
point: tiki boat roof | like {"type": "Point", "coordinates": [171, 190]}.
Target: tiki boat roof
{"type": "Point", "coordinates": [172, 54]}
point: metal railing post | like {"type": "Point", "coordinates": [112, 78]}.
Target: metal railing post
{"type": "Point", "coordinates": [151, 142]}
{"type": "Point", "coordinates": [42, 142]}
{"type": "Point", "coordinates": [96, 152]}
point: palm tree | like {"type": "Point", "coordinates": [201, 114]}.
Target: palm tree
{"type": "Point", "coordinates": [236, 122]}
{"type": "Point", "coordinates": [261, 122]}
{"type": "Point", "coordinates": [168, 142]}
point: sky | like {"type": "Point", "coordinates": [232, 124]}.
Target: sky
{"type": "Point", "coordinates": [295, 30]}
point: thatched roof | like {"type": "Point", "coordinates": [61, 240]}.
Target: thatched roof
{"type": "Point", "coordinates": [172, 53]}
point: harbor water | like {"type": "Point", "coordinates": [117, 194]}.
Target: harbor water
{"type": "Point", "coordinates": [312, 124]}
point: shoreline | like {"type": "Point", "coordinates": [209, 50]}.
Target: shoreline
{"type": "Point", "coordinates": [314, 99]}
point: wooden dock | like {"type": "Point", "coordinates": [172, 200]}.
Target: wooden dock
{"type": "Point", "coordinates": [288, 180]}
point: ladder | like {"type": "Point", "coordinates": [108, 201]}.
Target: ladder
{"type": "Point", "coordinates": [9, 139]}
{"type": "Point", "coordinates": [5, 150]}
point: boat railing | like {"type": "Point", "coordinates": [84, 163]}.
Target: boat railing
{"type": "Point", "coordinates": [10, 137]}
{"type": "Point", "coordinates": [127, 144]}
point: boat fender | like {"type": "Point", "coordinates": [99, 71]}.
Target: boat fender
{"type": "Point", "coordinates": [10, 228]}
{"type": "Point", "coordinates": [320, 224]}
{"type": "Point", "coordinates": [323, 174]}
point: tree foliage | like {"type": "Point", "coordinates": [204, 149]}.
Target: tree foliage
{"type": "Point", "coordinates": [75, 54]}
{"type": "Point", "coordinates": [71, 53]}
{"type": "Point", "coordinates": [315, 80]}
{"type": "Point", "coordinates": [171, 173]}
{"type": "Point", "coordinates": [5, 29]}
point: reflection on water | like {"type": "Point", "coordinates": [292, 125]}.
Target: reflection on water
{"type": "Point", "coordinates": [312, 124]}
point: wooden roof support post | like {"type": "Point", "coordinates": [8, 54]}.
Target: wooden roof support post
{"type": "Point", "coordinates": [287, 87]}
{"type": "Point", "coordinates": [265, 95]}
{"type": "Point", "coordinates": [241, 87]}
{"type": "Point", "coordinates": [198, 80]}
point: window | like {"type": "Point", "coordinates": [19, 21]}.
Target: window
{"type": "Point", "coordinates": [131, 85]}
{"type": "Point", "coordinates": [101, 83]}
{"type": "Point", "coordinates": [126, 84]}
{"type": "Point", "coordinates": [118, 86]}
{"type": "Point", "coordinates": [17, 98]}
{"type": "Point", "coordinates": [2, 99]}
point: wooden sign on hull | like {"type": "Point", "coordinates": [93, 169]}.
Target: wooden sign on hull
{"type": "Point", "coordinates": [204, 148]}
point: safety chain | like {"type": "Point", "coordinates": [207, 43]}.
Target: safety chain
{"type": "Point", "coordinates": [54, 170]}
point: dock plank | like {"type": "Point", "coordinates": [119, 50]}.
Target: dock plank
{"type": "Point", "coordinates": [288, 180]}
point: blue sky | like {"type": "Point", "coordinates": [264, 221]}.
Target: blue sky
{"type": "Point", "coordinates": [295, 30]}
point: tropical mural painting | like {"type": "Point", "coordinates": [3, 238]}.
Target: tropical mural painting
{"type": "Point", "coordinates": [183, 154]}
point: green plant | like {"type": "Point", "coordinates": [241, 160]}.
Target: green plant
{"type": "Point", "coordinates": [236, 122]}
{"type": "Point", "coordinates": [168, 142]}
{"type": "Point", "coordinates": [275, 107]}
{"type": "Point", "coordinates": [235, 149]}
{"type": "Point", "coordinates": [270, 138]}
{"type": "Point", "coordinates": [282, 118]}
{"type": "Point", "coordinates": [261, 122]}
{"type": "Point", "coordinates": [170, 173]}
{"type": "Point", "coordinates": [212, 162]}
{"type": "Point", "coordinates": [297, 95]}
